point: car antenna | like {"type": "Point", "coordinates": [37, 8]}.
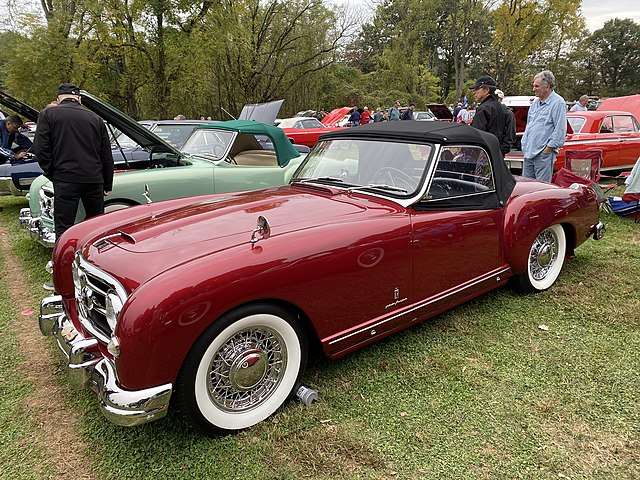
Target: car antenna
{"type": "Point", "coordinates": [228, 113]}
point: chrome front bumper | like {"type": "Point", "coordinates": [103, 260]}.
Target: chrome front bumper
{"type": "Point", "coordinates": [88, 368]}
{"type": "Point", "coordinates": [37, 231]}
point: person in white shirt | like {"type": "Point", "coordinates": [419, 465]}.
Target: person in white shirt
{"type": "Point", "coordinates": [581, 105]}
{"type": "Point", "coordinates": [463, 115]}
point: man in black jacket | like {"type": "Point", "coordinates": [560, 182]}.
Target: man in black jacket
{"type": "Point", "coordinates": [490, 115]}
{"type": "Point", "coordinates": [509, 135]}
{"type": "Point", "coordinates": [74, 152]}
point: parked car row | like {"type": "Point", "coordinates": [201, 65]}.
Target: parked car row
{"type": "Point", "coordinates": [216, 157]}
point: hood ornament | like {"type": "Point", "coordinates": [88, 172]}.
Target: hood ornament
{"type": "Point", "coordinates": [145, 194]}
{"type": "Point", "coordinates": [262, 230]}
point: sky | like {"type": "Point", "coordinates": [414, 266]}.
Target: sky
{"type": "Point", "coordinates": [596, 12]}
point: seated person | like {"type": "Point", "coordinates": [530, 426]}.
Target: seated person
{"type": "Point", "coordinates": [9, 134]}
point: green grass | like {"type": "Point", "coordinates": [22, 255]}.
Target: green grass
{"type": "Point", "coordinates": [480, 392]}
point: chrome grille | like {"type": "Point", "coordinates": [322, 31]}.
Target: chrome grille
{"type": "Point", "coordinates": [92, 286]}
{"type": "Point", "coordinates": [46, 203]}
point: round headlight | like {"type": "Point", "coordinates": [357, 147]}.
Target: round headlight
{"type": "Point", "coordinates": [112, 307]}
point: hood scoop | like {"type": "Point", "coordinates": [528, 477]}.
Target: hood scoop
{"type": "Point", "coordinates": [105, 242]}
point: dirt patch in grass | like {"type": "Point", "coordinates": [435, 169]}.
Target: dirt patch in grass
{"type": "Point", "coordinates": [56, 423]}
{"type": "Point", "coordinates": [593, 454]}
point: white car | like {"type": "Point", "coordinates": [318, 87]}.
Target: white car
{"type": "Point", "coordinates": [424, 117]}
{"type": "Point", "coordinates": [300, 122]}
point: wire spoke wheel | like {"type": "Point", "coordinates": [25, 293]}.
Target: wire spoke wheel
{"type": "Point", "coordinates": [242, 369]}
{"type": "Point", "coordinates": [247, 369]}
{"type": "Point", "coordinates": [545, 260]}
{"type": "Point", "coordinates": [543, 255]}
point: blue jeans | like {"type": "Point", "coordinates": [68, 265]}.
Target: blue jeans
{"type": "Point", "coordinates": [539, 167]}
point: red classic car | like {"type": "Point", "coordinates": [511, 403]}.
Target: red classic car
{"type": "Point", "coordinates": [212, 302]}
{"type": "Point", "coordinates": [615, 133]}
{"type": "Point", "coordinates": [304, 130]}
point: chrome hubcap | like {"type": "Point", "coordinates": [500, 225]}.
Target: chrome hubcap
{"type": "Point", "coordinates": [247, 369]}
{"type": "Point", "coordinates": [544, 253]}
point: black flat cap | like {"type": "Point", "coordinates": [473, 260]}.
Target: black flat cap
{"type": "Point", "coordinates": [484, 81]}
{"type": "Point", "coordinates": [68, 89]}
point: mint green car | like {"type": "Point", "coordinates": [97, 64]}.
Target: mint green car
{"type": "Point", "coordinates": [222, 157]}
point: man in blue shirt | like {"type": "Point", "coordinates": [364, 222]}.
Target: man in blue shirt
{"type": "Point", "coordinates": [546, 128]}
{"type": "Point", "coordinates": [394, 112]}
{"type": "Point", "coordinates": [9, 134]}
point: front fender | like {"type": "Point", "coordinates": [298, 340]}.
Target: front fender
{"type": "Point", "coordinates": [162, 318]}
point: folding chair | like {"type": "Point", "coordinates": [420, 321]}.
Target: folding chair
{"type": "Point", "coordinates": [587, 163]}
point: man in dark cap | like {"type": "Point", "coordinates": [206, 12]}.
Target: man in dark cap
{"type": "Point", "coordinates": [73, 149]}
{"type": "Point", "coordinates": [490, 115]}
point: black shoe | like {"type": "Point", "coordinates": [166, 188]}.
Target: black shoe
{"type": "Point", "coordinates": [49, 286]}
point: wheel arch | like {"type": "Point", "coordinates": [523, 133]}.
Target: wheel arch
{"type": "Point", "coordinates": [314, 344]}
{"type": "Point", "coordinates": [526, 218]}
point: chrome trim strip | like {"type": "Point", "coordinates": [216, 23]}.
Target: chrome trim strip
{"type": "Point", "coordinates": [595, 140]}
{"type": "Point", "coordinates": [421, 305]}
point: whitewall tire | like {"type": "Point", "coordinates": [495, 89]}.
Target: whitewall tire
{"type": "Point", "coordinates": [545, 260]}
{"type": "Point", "coordinates": [242, 369]}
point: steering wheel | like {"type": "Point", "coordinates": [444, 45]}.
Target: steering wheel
{"type": "Point", "coordinates": [396, 177]}
{"type": "Point", "coordinates": [439, 189]}
{"type": "Point", "coordinates": [218, 150]}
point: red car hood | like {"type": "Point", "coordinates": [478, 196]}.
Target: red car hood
{"type": "Point", "coordinates": [441, 111]}
{"type": "Point", "coordinates": [334, 116]}
{"type": "Point", "coordinates": [169, 237]}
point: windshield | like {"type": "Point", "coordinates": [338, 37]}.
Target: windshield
{"type": "Point", "coordinates": [174, 134]}
{"type": "Point", "coordinates": [209, 143]}
{"type": "Point", "coordinates": [396, 168]}
{"type": "Point", "coordinates": [123, 140]}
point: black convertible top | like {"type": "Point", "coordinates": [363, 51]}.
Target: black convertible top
{"type": "Point", "coordinates": [444, 133]}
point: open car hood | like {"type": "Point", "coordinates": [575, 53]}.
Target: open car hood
{"type": "Point", "coordinates": [261, 112]}
{"type": "Point", "coordinates": [139, 134]}
{"type": "Point", "coordinates": [335, 115]}
{"type": "Point", "coordinates": [441, 111]}
{"type": "Point", "coordinates": [629, 103]}
{"type": "Point", "coordinates": [18, 107]}
{"type": "Point", "coordinates": [521, 112]}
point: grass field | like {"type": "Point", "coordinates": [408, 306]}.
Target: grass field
{"type": "Point", "coordinates": [480, 392]}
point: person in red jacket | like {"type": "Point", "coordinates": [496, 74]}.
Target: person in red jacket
{"type": "Point", "coordinates": [365, 116]}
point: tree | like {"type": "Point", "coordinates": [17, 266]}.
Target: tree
{"type": "Point", "coordinates": [617, 48]}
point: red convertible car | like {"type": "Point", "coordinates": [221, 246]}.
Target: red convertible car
{"type": "Point", "coordinates": [304, 130]}
{"type": "Point", "coordinates": [213, 302]}
{"type": "Point", "coordinates": [615, 133]}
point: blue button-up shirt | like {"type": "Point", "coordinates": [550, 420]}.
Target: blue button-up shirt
{"type": "Point", "coordinates": [546, 125]}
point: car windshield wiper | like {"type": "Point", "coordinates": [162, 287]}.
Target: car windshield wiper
{"type": "Point", "coordinates": [381, 186]}
{"type": "Point", "coordinates": [326, 179]}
